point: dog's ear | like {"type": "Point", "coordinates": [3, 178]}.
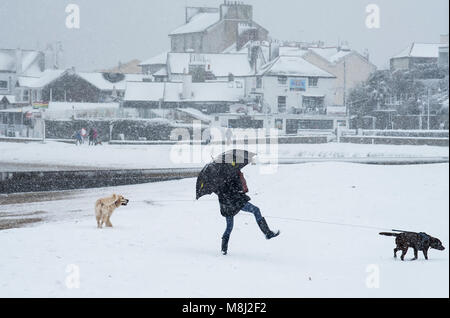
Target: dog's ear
{"type": "Point", "coordinates": [116, 199]}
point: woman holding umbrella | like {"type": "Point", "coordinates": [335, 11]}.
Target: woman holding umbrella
{"type": "Point", "coordinates": [224, 177]}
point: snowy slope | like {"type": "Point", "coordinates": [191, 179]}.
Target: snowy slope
{"type": "Point", "coordinates": [164, 244]}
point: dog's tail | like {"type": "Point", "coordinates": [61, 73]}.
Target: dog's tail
{"type": "Point", "coordinates": [389, 234]}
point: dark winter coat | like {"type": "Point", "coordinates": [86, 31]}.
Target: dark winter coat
{"type": "Point", "coordinates": [231, 193]}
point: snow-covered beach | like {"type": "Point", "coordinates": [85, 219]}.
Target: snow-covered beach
{"type": "Point", "coordinates": [165, 244]}
{"type": "Point", "coordinates": [160, 156]}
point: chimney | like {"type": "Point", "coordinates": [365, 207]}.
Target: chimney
{"type": "Point", "coordinates": [49, 57]}
{"type": "Point", "coordinates": [366, 54]}
{"type": "Point", "coordinates": [59, 56]}
{"type": "Point", "coordinates": [10, 85]}
{"type": "Point", "coordinates": [235, 10]}
{"type": "Point", "coordinates": [18, 61]}
{"type": "Point", "coordinates": [274, 50]}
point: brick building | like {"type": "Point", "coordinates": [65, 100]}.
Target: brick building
{"type": "Point", "coordinates": [212, 30]}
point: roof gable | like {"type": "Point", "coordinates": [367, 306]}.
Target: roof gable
{"type": "Point", "coordinates": [159, 59]}
{"type": "Point", "coordinates": [293, 66]}
{"type": "Point", "coordinates": [428, 50]}
{"type": "Point", "coordinates": [198, 23]}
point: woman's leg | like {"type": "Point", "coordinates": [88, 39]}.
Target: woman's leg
{"type": "Point", "coordinates": [226, 235]}
{"type": "Point", "coordinates": [248, 207]}
{"type": "Point", "coordinates": [230, 223]}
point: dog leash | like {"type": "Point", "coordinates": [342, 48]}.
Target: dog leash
{"type": "Point", "coordinates": [330, 223]}
{"type": "Point", "coordinates": [287, 218]}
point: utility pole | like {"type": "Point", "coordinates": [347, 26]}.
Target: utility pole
{"type": "Point", "coordinates": [42, 111]}
{"type": "Point", "coordinates": [428, 109]}
{"type": "Point", "coordinates": [345, 88]}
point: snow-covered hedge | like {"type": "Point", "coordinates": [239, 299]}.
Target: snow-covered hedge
{"type": "Point", "coordinates": [151, 129]}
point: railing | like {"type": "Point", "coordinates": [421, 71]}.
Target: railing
{"type": "Point", "coordinates": [8, 130]}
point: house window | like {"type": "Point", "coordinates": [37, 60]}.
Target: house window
{"type": "Point", "coordinates": [282, 80]}
{"type": "Point", "coordinates": [312, 81]}
{"type": "Point", "coordinates": [25, 95]}
{"type": "Point", "coordinates": [313, 104]}
{"type": "Point", "coordinates": [259, 82]}
{"type": "Point", "coordinates": [279, 123]}
{"type": "Point", "coordinates": [4, 84]}
{"type": "Point", "coordinates": [281, 104]}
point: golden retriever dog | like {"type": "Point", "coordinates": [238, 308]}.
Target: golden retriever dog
{"type": "Point", "coordinates": [105, 207]}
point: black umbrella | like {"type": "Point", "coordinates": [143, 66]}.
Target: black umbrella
{"type": "Point", "coordinates": [236, 157]}
{"type": "Point", "coordinates": [214, 173]}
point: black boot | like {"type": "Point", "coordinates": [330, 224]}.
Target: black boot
{"type": "Point", "coordinates": [265, 229]}
{"type": "Point", "coordinates": [225, 239]}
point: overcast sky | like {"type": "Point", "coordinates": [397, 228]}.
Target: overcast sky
{"type": "Point", "coordinates": [120, 30]}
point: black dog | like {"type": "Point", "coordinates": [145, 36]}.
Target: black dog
{"type": "Point", "coordinates": [418, 241]}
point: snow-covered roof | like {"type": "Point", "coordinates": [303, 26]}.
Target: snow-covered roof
{"type": "Point", "coordinates": [144, 91]}
{"type": "Point", "coordinates": [429, 50]}
{"type": "Point", "coordinates": [95, 78]}
{"type": "Point", "coordinates": [292, 51]}
{"type": "Point", "coordinates": [30, 61]}
{"type": "Point", "coordinates": [10, 98]}
{"type": "Point", "coordinates": [331, 54]}
{"type": "Point", "coordinates": [60, 106]}
{"type": "Point", "coordinates": [216, 92]}
{"type": "Point", "coordinates": [172, 91]}
{"type": "Point", "coordinates": [39, 79]}
{"type": "Point", "coordinates": [161, 72]}
{"type": "Point", "coordinates": [99, 81]}
{"type": "Point", "coordinates": [292, 66]}
{"type": "Point", "coordinates": [198, 23]}
{"type": "Point", "coordinates": [196, 114]}
{"type": "Point", "coordinates": [159, 59]}
{"type": "Point", "coordinates": [263, 46]}
{"type": "Point", "coordinates": [220, 64]}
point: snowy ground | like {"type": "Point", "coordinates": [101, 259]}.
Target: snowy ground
{"type": "Point", "coordinates": [160, 156]}
{"type": "Point", "coordinates": [164, 244]}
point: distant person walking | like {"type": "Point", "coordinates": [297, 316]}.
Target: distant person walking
{"type": "Point", "coordinates": [95, 137]}
{"type": "Point", "coordinates": [78, 138]}
{"type": "Point", "coordinates": [91, 136]}
{"type": "Point", "coordinates": [83, 135]}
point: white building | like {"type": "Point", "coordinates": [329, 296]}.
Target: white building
{"type": "Point", "coordinates": [348, 66]}
{"type": "Point", "coordinates": [289, 84]}
{"type": "Point", "coordinates": [209, 97]}
{"type": "Point", "coordinates": [206, 66]}
{"type": "Point", "coordinates": [415, 54]}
